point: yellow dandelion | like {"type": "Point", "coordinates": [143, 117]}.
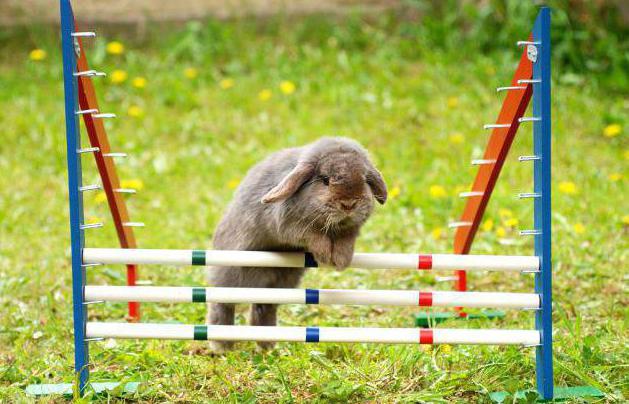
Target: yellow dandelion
{"type": "Point", "coordinates": [115, 48]}
{"type": "Point", "coordinates": [500, 231]}
{"type": "Point", "coordinates": [612, 130]}
{"type": "Point", "coordinates": [614, 177]}
{"type": "Point", "coordinates": [436, 233]}
{"type": "Point", "coordinates": [37, 55]}
{"type": "Point", "coordinates": [579, 228]}
{"type": "Point", "coordinates": [265, 95]}
{"type": "Point", "coordinates": [139, 82]}
{"type": "Point", "coordinates": [287, 87]}
{"type": "Point", "coordinates": [190, 73]}
{"type": "Point", "coordinates": [446, 348]}
{"type": "Point", "coordinates": [134, 184]}
{"type": "Point", "coordinates": [504, 213]}
{"type": "Point", "coordinates": [567, 187]}
{"type": "Point", "coordinates": [135, 111]}
{"type": "Point", "coordinates": [100, 197]}
{"type": "Point", "coordinates": [226, 83]}
{"type": "Point", "coordinates": [437, 191]}
{"type": "Point", "coordinates": [233, 183]}
{"type": "Point", "coordinates": [118, 76]}
{"type": "Point", "coordinates": [426, 347]}
{"type": "Point", "coordinates": [457, 138]}
{"type": "Point", "coordinates": [625, 220]}
{"type": "Point", "coordinates": [394, 192]}
{"type": "Point", "coordinates": [453, 102]}
{"type": "Point", "coordinates": [93, 220]}
{"type": "Point", "coordinates": [487, 225]}
{"type": "Point", "coordinates": [511, 222]}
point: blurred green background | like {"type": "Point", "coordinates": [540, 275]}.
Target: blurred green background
{"type": "Point", "coordinates": [200, 101]}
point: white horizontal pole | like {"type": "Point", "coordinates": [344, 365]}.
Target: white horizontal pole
{"type": "Point", "coordinates": [312, 334]}
{"type": "Point", "coordinates": [310, 296]}
{"type": "Point", "coordinates": [301, 260]}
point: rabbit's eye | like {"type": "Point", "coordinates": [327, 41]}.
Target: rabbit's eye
{"type": "Point", "coordinates": [325, 179]}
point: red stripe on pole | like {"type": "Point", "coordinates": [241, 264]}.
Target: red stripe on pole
{"type": "Point", "coordinates": [425, 337]}
{"type": "Point", "coordinates": [425, 262]}
{"type": "Point", "coordinates": [425, 298]}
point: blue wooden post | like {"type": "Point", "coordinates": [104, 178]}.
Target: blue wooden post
{"type": "Point", "coordinates": [76, 201]}
{"type": "Point", "coordinates": [542, 167]}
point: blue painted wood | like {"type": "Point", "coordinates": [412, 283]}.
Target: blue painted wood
{"type": "Point", "coordinates": [542, 185]}
{"type": "Point", "coordinates": [76, 202]}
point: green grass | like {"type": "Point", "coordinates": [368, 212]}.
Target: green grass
{"type": "Point", "coordinates": [195, 140]}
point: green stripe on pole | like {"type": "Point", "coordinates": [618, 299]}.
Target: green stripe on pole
{"type": "Point", "coordinates": [200, 332]}
{"type": "Point", "coordinates": [198, 257]}
{"type": "Point", "coordinates": [198, 295]}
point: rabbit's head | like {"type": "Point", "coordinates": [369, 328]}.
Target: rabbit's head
{"type": "Point", "coordinates": [333, 185]}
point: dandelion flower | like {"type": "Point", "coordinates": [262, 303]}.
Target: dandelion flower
{"type": "Point", "coordinates": [139, 82]}
{"type": "Point", "coordinates": [500, 231]}
{"type": "Point", "coordinates": [457, 138]}
{"type": "Point", "coordinates": [190, 73]}
{"type": "Point", "coordinates": [446, 348]}
{"type": "Point", "coordinates": [625, 219]}
{"type": "Point", "coordinates": [100, 197]}
{"type": "Point", "coordinates": [437, 191]}
{"type": "Point", "coordinates": [265, 95]}
{"type": "Point", "coordinates": [134, 184]}
{"type": "Point", "coordinates": [135, 111]}
{"type": "Point", "coordinates": [394, 192]}
{"type": "Point", "coordinates": [511, 222]}
{"type": "Point", "coordinates": [287, 87]}
{"type": "Point", "coordinates": [453, 102]}
{"type": "Point", "coordinates": [37, 55]}
{"type": "Point", "coordinates": [115, 48]}
{"type": "Point", "coordinates": [233, 183]}
{"type": "Point", "coordinates": [487, 225]}
{"type": "Point", "coordinates": [504, 213]}
{"type": "Point", "coordinates": [612, 130]}
{"type": "Point", "coordinates": [579, 228]}
{"type": "Point", "coordinates": [226, 83]}
{"type": "Point", "coordinates": [118, 76]}
{"type": "Point", "coordinates": [614, 177]}
{"type": "Point", "coordinates": [436, 233]}
{"type": "Point", "coordinates": [567, 187]}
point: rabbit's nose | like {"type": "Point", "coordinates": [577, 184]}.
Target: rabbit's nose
{"type": "Point", "coordinates": [348, 205]}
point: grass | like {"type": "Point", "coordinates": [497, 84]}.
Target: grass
{"type": "Point", "coordinates": [419, 110]}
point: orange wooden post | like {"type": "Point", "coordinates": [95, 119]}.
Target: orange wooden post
{"type": "Point", "coordinates": [107, 170]}
{"type": "Point", "coordinates": [500, 140]}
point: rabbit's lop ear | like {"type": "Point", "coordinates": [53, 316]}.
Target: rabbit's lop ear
{"type": "Point", "coordinates": [377, 185]}
{"type": "Point", "coordinates": [290, 184]}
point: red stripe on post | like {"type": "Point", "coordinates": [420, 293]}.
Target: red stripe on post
{"type": "Point", "coordinates": [425, 337]}
{"type": "Point", "coordinates": [425, 262]}
{"type": "Point", "coordinates": [425, 298]}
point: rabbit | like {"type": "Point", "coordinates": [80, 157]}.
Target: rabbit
{"type": "Point", "coordinates": [313, 198]}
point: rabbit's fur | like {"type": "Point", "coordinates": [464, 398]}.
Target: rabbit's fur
{"type": "Point", "coordinates": [312, 198]}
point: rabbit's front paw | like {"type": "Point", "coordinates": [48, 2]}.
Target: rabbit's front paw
{"type": "Point", "coordinates": [342, 253]}
{"type": "Point", "coordinates": [321, 248]}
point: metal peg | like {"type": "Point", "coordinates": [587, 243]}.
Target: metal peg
{"type": "Point", "coordinates": [482, 162]}
{"type": "Point", "coordinates": [91, 226]}
{"type": "Point", "coordinates": [527, 195]}
{"type": "Point", "coordinates": [93, 339]}
{"type": "Point", "coordinates": [446, 278]}
{"type": "Point", "coordinates": [454, 225]}
{"type": "Point", "coordinates": [496, 125]}
{"type": "Point", "coordinates": [90, 188]}
{"type": "Point", "coordinates": [531, 345]}
{"type": "Point", "coordinates": [527, 81]}
{"type": "Point", "coordinates": [125, 190]}
{"type": "Point", "coordinates": [93, 302]}
{"type": "Point", "coordinates": [524, 43]}
{"type": "Point", "coordinates": [84, 34]}
{"type": "Point", "coordinates": [114, 154]}
{"type": "Point", "coordinates": [96, 264]}
{"type": "Point", "coordinates": [89, 73]}
{"type": "Point", "coordinates": [529, 119]}
{"type": "Point", "coordinates": [104, 116]}
{"type": "Point", "coordinates": [470, 194]}
{"type": "Point", "coordinates": [507, 88]}
{"type": "Point", "coordinates": [143, 283]}
{"type": "Point", "coordinates": [86, 111]}
{"type": "Point", "coordinates": [530, 271]}
{"type": "Point", "coordinates": [530, 232]}
{"type": "Point", "coordinates": [88, 150]}
{"type": "Point", "coordinates": [529, 158]}
{"type": "Point", "coordinates": [133, 224]}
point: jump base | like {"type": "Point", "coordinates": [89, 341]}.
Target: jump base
{"type": "Point", "coordinates": [428, 319]}
{"type": "Point", "coordinates": [561, 394]}
{"type": "Point", "coordinates": [66, 389]}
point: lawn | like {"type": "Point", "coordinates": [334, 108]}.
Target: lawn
{"type": "Point", "coordinates": [216, 98]}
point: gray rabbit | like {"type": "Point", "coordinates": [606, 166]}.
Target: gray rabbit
{"type": "Point", "coordinates": [312, 198]}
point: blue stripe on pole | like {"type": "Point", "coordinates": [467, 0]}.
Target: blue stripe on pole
{"type": "Point", "coordinates": [312, 296]}
{"type": "Point", "coordinates": [312, 334]}
{"type": "Point", "coordinates": [309, 261]}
